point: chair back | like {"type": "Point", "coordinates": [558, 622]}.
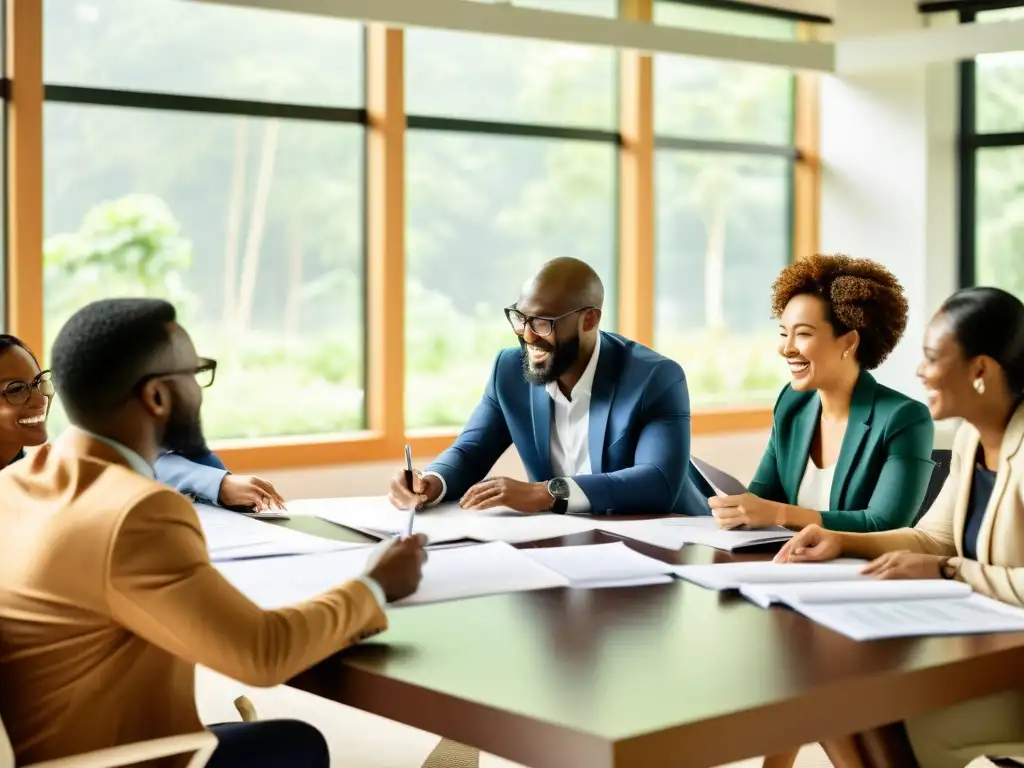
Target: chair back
{"type": "Point", "coordinates": [940, 472]}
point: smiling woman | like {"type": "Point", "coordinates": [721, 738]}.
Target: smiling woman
{"type": "Point", "coordinates": [27, 393]}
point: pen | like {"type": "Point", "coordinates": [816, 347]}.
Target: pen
{"type": "Point", "coordinates": [409, 485]}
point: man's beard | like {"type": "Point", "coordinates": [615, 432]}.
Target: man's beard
{"type": "Point", "coordinates": [561, 357]}
{"type": "Point", "coordinates": [183, 432]}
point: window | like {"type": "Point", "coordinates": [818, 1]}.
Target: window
{"type": "Point", "coordinates": [509, 163]}
{"type": "Point", "coordinates": [992, 165]}
{"type": "Point", "coordinates": [248, 219]}
{"type": "Point", "coordinates": [724, 186]}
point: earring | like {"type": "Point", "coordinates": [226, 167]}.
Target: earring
{"type": "Point", "coordinates": [979, 385]}
{"type": "Point", "coordinates": [846, 353]}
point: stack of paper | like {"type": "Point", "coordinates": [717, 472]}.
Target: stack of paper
{"type": "Point", "coordinates": [602, 565]}
{"type": "Point", "coordinates": [871, 610]}
{"type": "Point", "coordinates": [735, 575]}
{"type": "Point", "coordinates": [449, 574]}
{"type": "Point", "coordinates": [674, 532]}
{"type": "Point", "coordinates": [232, 536]}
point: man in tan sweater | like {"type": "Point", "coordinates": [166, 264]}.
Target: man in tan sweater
{"type": "Point", "coordinates": [108, 598]}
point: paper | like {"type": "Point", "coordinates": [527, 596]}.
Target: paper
{"type": "Point", "coordinates": [723, 484]}
{"type": "Point", "coordinates": [602, 565]}
{"type": "Point", "coordinates": [446, 522]}
{"type": "Point", "coordinates": [863, 590]}
{"type": "Point", "coordinates": [864, 620]}
{"type": "Point", "coordinates": [674, 532]}
{"type": "Point", "coordinates": [233, 536]}
{"type": "Point", "coordinates": [449, 574]}
{"type": "Point", "coordinates": [733, 575]}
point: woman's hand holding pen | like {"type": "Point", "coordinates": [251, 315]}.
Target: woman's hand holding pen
{"type": "Point", "coordinates": [425, 489]}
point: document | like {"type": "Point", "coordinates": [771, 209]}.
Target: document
{"type": "Point", "coordinates": [374, 516]}
{"type": "Point", "coordinates": [915, 617]}
{"type": "Point", "coordinates": [602, 565]}
{"type": "Point", "coordinates": [723, 576]}
{"type": "Point", "coordinates": [724, 484]}
{"type": "Point", "coordinates": [858, 591]}
{"type": "Point", "coordinates": [449, 574]}
{"type": "Point", "coordinates": [233, 536]}
{"type": "Point", "coordinates": [674, 532]}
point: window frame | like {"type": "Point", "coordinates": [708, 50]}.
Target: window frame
{"type": "Point", "coordinates": [386, 123]}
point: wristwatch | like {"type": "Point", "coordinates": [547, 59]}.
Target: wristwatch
{"type": "Point", "coordinates": [559, 490]}
{"type": "Point", "coordinates": [946, 570]}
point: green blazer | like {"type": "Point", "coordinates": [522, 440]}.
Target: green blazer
{"type": "Point", "coordinates": [884, 463]}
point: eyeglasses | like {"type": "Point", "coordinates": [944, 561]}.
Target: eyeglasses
{"type": "Point", "coordinates": [19, 392]}
{"type": "Point", "coordinates": [541, 326]}
{"type": "Point", "coordinates": [205, 374]}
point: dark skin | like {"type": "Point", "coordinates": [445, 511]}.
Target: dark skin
{"type": "Point", "coordinates": [949, 379]}
{"type": "Point", "coordinates": [17, 365]}
{"type": "Point", "coordinates": [562, 287]}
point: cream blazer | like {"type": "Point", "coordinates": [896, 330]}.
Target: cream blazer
{"type": "Point", "coordinates": [999, 570]}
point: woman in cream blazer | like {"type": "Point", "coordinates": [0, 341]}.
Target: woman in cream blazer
{"type": "Point", "coordinates": [974, 532]}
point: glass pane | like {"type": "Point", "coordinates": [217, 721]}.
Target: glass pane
{"type": "Point", "coordinates": [706, 99]}
{"type": "Point", "coordinates": [723, 234]}
{"type": "Point", "coordinates": [507, 79]}
{"type": "Point", "coordinates": [1000, 219]}
{"type": "Point", "coordinates": [999, 83]}
{"type": "Point", "coordinates": [203, 50]}
{"type": "Point", "coordinates": [252, 227]}
{"type": "Point", "coordinates": [484, 212]}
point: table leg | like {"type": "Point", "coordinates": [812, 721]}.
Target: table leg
{"type": "Point", "coordinates": [781, 759]}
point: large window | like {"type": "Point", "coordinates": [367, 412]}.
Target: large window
{"type": "Point", "coordinates": [724, 187]}
{"type": "Point", "coordinates": [509, 163]}
{"type": "Point", "coordinates": [992, 165]}
{"type": "Point", "coordinates": [162, 179]}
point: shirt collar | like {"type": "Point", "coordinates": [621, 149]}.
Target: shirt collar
{"type": "Point", "coordinates": [136, 462]}
{"type": "Point", "coordinates": [586, 383]}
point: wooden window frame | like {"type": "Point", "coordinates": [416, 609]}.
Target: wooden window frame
{"type": "Point", "coordinates": [385, 231]}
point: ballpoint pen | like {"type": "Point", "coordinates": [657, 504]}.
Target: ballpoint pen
{"type": "Point", "coordinates": [409, 485]}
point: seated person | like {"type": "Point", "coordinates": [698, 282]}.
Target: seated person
{"type": "Point", "coordinates": [973, 369]}
{"type": "Point", "coordinates": [27, 394]}
{"type": "Point", "coordinates": [109, 603]}
{"type": "Point", "coordinates": [845, 452]}
{"type": "Point", "coordinates": [601, 423]}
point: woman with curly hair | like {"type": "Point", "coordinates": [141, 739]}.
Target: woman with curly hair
{"type": "Point", "coordinates": [845, 452]}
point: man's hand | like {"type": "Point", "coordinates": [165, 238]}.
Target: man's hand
{"type": "Point", "coordinates": [398, 566]}
{"type": "Point", "coordinates": [249, 491]}
{"type": "Point", "coordinates": [812, 545]}
{"type": "Point", "coordinates": [506, 492]}
{"type": "Point", "coordinates": [743, 509]}
{"type": "Point", "coordinates": [905, 565]}
{"type": "Point", "coordinates": [425, 490]}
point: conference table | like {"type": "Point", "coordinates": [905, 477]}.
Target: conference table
{"type": "Point", "coordinates": [649, 677]}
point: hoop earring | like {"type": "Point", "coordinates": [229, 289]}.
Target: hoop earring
{"type": "Point", "coordinates": [979, 385]}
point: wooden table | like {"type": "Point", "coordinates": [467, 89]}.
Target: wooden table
{"type": "Point", "coordinates": [668, 675]}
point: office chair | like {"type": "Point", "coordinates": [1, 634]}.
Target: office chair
{"type": "Point", "coordinates": [940, 472]}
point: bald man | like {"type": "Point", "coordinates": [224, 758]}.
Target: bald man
{"type": "Point", "coordinates": [601, 423]}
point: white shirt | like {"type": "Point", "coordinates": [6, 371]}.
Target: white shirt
{"type": "Point", "coordinates": [144, 468]}
{"type": "Point", "coordinates": [816, 487]}
{"type": "Point", "coordinates": [570, 435]}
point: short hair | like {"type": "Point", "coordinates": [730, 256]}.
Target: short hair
{"type": "Point", "coordinates": [860, 294]}
{"type": "Point", "coordinates": [9, 341]}
{"type": "Point", "coordinates": [103, 351]}
{"type": "Point", "coordinates": [990, 321]}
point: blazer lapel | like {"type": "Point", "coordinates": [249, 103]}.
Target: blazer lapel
{"type": "Point", "coordinates": [540, 409]}
{"type": "Point", "coordinates": [601, 395]}
{"type": "Point", "coordinates": [968, 460]}
{"type": "Point", "coordinates": [1011, 444]}
{"type": "Point", "coordinates": [803, 433]}
{"type": "Point", "coordinates": [862, 405]}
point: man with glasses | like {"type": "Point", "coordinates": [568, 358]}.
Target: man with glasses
{"type": "Point", "coordinates": [108, 598]}
{"type": "Point", "coordinates": [601, 423]}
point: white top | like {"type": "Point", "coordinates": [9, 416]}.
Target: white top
{"type": "Point", "coordinates": [570, 435]}
{"type": "Point", "coordinates": [816, 487]}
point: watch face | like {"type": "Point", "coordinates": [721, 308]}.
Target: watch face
{"type": "Point", "coordinates": [558, 488]}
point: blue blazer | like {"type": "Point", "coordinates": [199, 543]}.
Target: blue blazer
{"type": "Point", "coordinates": [199, 478]}
{"type": "Point", "coordinates": [639, 433]}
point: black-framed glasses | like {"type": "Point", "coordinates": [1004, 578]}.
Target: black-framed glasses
{"type": "Point", "coordinates": [19, 392]}
{"type": "Point", "coordinates": [205, 374]}
{"type": "Point", "coordinates": [541, 326]}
